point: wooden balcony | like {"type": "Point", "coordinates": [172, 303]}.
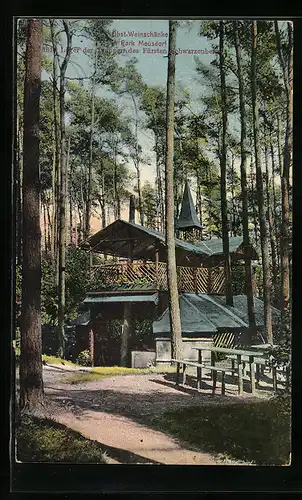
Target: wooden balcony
{"type": "Point", "coordinates": [190, 279]}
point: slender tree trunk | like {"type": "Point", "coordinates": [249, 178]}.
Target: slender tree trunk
{"type": "Point", "coordinates": [68, 187]}
{"type": "Point", "coordinates": [80, 226]}
{"type": "Point", "coordinates": [223, 164]}
{"type": "Point", "coordinates": [139, 192]}
{"type": "Point", "coordinates": [243, 173]}
{"type": "Point", "coordinates": [117, 204]}
{"type": "Point", "coordinates": [89, 186]}
{"type": "Point", "coordinates": [137, 167]}
{"type": "Point", "coordinates": [48, 225]}
{"type": "Point", "coordinates": [31, 380]}
{"type": "Point", "coordinates": [71, 235]}
{"type": "Point", "coordinates": [75, 230]}
{"type": "Point", "coordinates": [233, 195]}
{"type": "Point", "coordinates": [176, 335]}
{"type": "Point", "coordinates": [45, 226]}
{"type": "Point", "coordinates": [18, 194]}
{"type": "Point", "coordinates": [157, 181]}
{"type": "Point", "coordinates": [271, 226]}
{"type": "Point", "coordinates": [54, 202]}
{"type": "Point", "coordinates": [274, 204]}
{"type": "Point", "coordinates": [128, 323]}
{"type": "Point", "coordinates": [260, 197]}
{"type": "Point", "coordinates": [56, 173]}
{"type": "Point", "coordinates": [287, 68]}
{"type": "Point", "coordinates": [63, 194]}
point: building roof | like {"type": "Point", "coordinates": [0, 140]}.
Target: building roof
{"type": "Point", "coordinates": [82, 319]}
{"type": "Point", "coordinates": [203, 313]}
{"type": "Point", "coordinates": [188, 217]}
{"type": "Point", "coordinates": [116, 238]}
{"type": "Point", "coordinates": [215, 244]}
{"type": "Point", "coordinates": [110, 297]}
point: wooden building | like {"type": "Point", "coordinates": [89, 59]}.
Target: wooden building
{"type": "Point", "coordinates": [134, 271]}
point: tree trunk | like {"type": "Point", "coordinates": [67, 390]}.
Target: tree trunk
{"type": "Point", "coordinates": [45, 226]}
{"type": "Point", "coordinates": [18, 193]}
{"type": "Point", "coordinates": [271, 226]}
{"type": "Point", "coordinates": [63, 194]}
{"type": "Point", "coordinates": [71, 235]}
{"type": "Point", "coordinates": [89, 186]}
{"type": "Point", "coordinates": [128, 325]}
{"type": "Point", "coordinates": [274, 205]}
{"type": "Point", "coordinates": [233, 225]}
{"type": "Point", "coordinates": [48, 224]}
{"type": "Point", "coordinates": [260, 197]}
{"type": "Point", "coordinates": [56, 166]}
{"type": "Point", "coordinates": [54, 203]}
{"type": "Point", "coordinates": [243, 174]}
{"type": "Point", "coordinates": [176, 335]}
{"type": "Point", "coordinates": [31, 379]}
{"type": "Point", "coordinates": [223, 163]}
{"type": "Point", "coordinates": [287, 70]}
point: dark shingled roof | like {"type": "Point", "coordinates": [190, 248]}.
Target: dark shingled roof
{"type": "Point", "coordinates": [188, 217]}
{"type": "Point", "coordinates": [203, 313]}
{"type": "Point", "coordinates": [113, 240]}
{"type": "Point", "coordinates": [214, 245]}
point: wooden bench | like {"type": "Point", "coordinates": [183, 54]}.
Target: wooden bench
{"type": "Point", "coordinates": [199, 366]}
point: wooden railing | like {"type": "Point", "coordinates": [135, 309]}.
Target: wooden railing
{"type": "Point", "coordinates": [190, 279]}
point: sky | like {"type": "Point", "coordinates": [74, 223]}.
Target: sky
{"type": "Point", "coordinates": [131, 36]}
{"type": "Point", "coordinates": [152, 66]}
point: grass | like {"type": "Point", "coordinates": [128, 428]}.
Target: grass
{"type": "Point", "coordinates": [101, 372]}
{"type": "Point", "coordinates": [44, 440]}
{"type": "Point", "coordinates": [257, 433]}
{"type": "Point", "coordinates": [53, 360]}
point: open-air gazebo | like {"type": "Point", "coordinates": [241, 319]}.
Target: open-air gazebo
{"type": "Point", "coordinates": [135, 272]}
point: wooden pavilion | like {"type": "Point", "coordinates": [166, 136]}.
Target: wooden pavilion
{"type": "Point", "coordinates": [135, 272]}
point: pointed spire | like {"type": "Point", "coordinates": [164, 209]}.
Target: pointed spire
{"type": "Point", "coordinates": [188, 217]}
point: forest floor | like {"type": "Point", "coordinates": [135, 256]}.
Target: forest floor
{"type": "Point", "coordinates": [120, 413]}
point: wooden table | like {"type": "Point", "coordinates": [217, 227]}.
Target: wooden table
{"type": "Point", "coordinates": [249, 354]}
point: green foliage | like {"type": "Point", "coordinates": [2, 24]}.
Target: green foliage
{"type": "Point", "coordinates": [78, 283]}
{"type": "Point", "coordinates": [282, 353]}
{"type": "Point", "coordinates": [253, 432]}
{"type": "Point", "coordinates": [44, 440]}
{"type": "Point", "coordinates": [101, 372]}
{"type": "Point", "coordinates": [238, 279]}
{"type": "Point", "coordinates": [149, 204]}
{"type": "Point", "coordinates": [84, 358]}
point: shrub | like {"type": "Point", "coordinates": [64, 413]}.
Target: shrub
{"type": "Point", "coordinates": [83, 358]}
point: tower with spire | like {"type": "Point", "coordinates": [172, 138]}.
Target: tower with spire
{"type": "Point", "coordinates": [187, 225]}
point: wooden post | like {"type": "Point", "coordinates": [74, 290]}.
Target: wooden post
{"type": "Point", "coordinates": [240, 374]}
{"type": "Point", "coordinates": [90, 264]}
{"type": "Point", "coordinates": [274, 373]}
{"type": "Point", "coordinates": [126, 328]}
{"type": "Point", "coordinates": [214, 378]}
{"type": "Point", "coordinates": [177, 373]}
{"type": "Point", "coordinates": [212, 362]}
{"type": "Point", "coordinates": [223, 382]}
{"type": "Point", "coordinates": [132, 209]}
{"type": "Point", "coordinates": [257, 375]}
{"type": "Point", "coordinates": [195, 279]}
{"type": "Point", "coordinates": [91, 346]}
{"type": "Point", "coordinates": [184, 374]}
{"type": "Point", "coordinates": [252, 373]}
{"type": "Point", "coordinates": [156, 265]}
{"type": "Point", "coordinates": [209, 280]}
{"type": "Point", "coordinates": [199, 370]}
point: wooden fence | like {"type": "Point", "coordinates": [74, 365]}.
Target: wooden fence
{"type": "Point", "coordinates": [190, 279]}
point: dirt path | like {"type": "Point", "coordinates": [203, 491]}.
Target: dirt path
{"type": "Point", "coordinates": [115, 412]}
